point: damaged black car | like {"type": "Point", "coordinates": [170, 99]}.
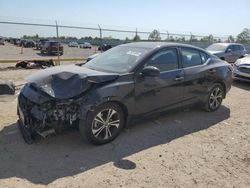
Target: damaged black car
{"type": "Point", "coordinates": [125, 83]}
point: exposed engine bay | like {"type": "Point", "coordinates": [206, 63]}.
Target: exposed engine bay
{"type": "Point", "coordinates": [53, 101]}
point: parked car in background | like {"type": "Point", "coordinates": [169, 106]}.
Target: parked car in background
{"type": "Point", "coordinates": [52, 48]}
{"type": "Point", "coordinates": [29, 44]}
{"type": "Point", "coordinates": [241, 69]}
{"type": "Point", "coordinates": [21, 42]}
{"type": "Point", "coordinates": [40, 43]}
{"type": "Point", "coordinates": [85, 45]}
{"type": "Point", "coordinates": [229, 52]}
{"type": "Point", "coordinates": [2, 41]}
{"type": "Point", "coordinates": [73, 44]}
{"type": "Point", "coordinates": [104, 47]}
{"type": "Point", "coordinates": [15, 41]}
{"type": "Point", "coordinates": [128, 82]}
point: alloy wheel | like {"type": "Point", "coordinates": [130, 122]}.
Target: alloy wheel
{"type": "Point", "coordinates": [215, 98]}
{"type": "Point", "coordinates": [106, 124]}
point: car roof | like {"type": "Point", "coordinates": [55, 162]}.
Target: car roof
{"type": "Point", "coordinates": [227, 44]}
{"type": "Point", "coordinates": [152, 45]}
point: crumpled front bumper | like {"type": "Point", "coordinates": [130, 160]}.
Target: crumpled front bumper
{"type": "Point", "coordinates": [40, 114]}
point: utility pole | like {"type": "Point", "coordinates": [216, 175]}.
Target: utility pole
{"type": "Point", "coordinates": [58, 45]}
{"type": "Point", "coordinates": [100, 29]}
{"type": "Point", "coordinates": [168, 35]}
{"type": "Point", "coordinates": [191, 38]}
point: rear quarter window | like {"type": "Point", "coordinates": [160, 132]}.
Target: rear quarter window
{"type": "Point", "coordinates": [192, 57]}
{"type": "Point", "coordinates": [204, 57]}
{"type": "Point", "coordinates": [241, 47]}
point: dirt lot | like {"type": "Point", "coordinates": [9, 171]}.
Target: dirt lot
{"type": "Point", "coordinates": [12, 52]}
{"type": "Point", "coordinates": [184, 148]}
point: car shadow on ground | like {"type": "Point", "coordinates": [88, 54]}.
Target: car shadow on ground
{"type": "Point", "coordinates": [242, 85]}
{"type": "Point", "coordinates": [67, 154]}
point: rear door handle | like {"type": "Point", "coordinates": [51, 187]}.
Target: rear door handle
{"type": "Point", "coordinates": [212, 71]}
{"type": "Point", "coordinates": [179, 78]}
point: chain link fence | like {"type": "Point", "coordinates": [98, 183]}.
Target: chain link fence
{"type": "Point", "coordinates": [97, 34]}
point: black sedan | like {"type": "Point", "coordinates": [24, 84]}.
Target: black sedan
{"type": "Point", "coordinates": [127, 82]}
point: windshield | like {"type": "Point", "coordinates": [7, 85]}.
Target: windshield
{"type": "Point", "coordinates": [120, 59]}
{"type": "Point", "coordinates": [216, 47]}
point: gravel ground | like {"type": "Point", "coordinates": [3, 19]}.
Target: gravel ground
{"type": "Point", "coordinates": [183, 148]}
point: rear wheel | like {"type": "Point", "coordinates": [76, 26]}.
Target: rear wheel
{"type": "Point", "coordinates": [214, 98]}
{"type": "Point", "coordinates": [103, 125]}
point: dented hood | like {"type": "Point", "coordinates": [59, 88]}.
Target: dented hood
{"type": "Point", "coordinates": [67, 81]}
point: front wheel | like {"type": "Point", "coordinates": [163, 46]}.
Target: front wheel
{"type": "Point", "coordinates": [103, 125]}
{"type": "Point", "coordinates": [214, 98]}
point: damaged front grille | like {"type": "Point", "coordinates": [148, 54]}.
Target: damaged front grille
{"type": "Point", "coordinates": [51, 114]}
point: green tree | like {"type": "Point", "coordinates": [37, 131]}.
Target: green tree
{"type": "Point", "coordinates": [193, 39]}
{"type": "Point", "coordinates": [171, 39]}
{"type": "Point", "coordinates": [230, 38]}
{"type": "Point", "coordinates": [183, 39]}
{"type": "Point", "coordinates": [154, 35]}
{"type": "Point", "coordinates": [209, 38]}
{"type": "Point", "coordinates": [126, 39]}
{"type": "Point", "coordinates": [244, 36]}
{"type": "Point", "coordinates": [136, 37]}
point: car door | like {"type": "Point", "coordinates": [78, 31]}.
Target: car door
{"type": "Point", "coordinates": [237, 52]}
{"type": "Point", "coordinates": [229, 54]}
{"type": "Point", "coordinates": [193, 62]}
{"type": "Point", "coordinates": [153, 93]}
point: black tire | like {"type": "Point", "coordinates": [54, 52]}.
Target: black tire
{"type": "Point", "coordinates": [214, 98]}
{"type": "Point", "coordinates": [102, 130]}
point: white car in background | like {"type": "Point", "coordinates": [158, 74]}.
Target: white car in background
{"type": "Point", "coordinates": [241, 69]}
{"type": "Point", "coordinates": [73, 44]}
{"type": "Point", "coordinates": [229, 52]}
{"type": "Point", "coordinates": [85, 45]}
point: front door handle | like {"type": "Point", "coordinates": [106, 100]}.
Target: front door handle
{"type": "Point", "coordinates": [179, 78]}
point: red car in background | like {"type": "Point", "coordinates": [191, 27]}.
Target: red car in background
{"type": "Point", "coordinates": [52, 48]}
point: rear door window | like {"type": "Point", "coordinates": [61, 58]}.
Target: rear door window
{"type": "Point", "coordinates": [192, 57]}
{"type": "Point", "coordinates": [236, 48]}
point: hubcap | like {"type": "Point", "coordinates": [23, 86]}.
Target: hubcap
{"type": "Point", "coordinates": [105, 124]}
{"type": "Point", "coordinates": [215, 98]}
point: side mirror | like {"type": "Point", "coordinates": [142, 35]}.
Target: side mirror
{"type": "Point", "coordinates": [228, 50]}
{"type": "Point", "coordinates": [150, 71]}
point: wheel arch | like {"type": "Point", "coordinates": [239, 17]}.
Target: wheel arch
{"type": "Point", "coordinates": [223, 86]}
{"type": "Point", "coordinates": [122, 106]}
{"type": "Point", "coordinates": [91, 108]}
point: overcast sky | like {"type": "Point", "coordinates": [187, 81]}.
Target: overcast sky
{"type": "Point", "coordinates": [217, 17]}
